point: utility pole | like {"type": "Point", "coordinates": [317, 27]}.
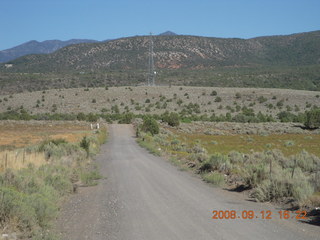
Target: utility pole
{"type": "Point", "coordinates": [151, 72]}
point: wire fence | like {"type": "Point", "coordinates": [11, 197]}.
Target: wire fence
{"type": "Point", "coordinates": [20, 158]}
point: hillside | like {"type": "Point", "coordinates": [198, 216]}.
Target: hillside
{"type": "Point", "coordinates": [178, 51]}
{"type": "Point", "coordinates": [291, 61]}
{"type": "Point", "coordinates": [149, 100]}
{"type": "Point", "coordinates": [35, 47]}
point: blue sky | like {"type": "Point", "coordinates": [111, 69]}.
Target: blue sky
{"type": "Point", "coordinates": [24, 20]}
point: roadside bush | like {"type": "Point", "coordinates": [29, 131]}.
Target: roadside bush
{"type": "Point", "coordinates": [307, 162]}
{"type": "Point", "coordinates": [13, 207]}
{"type": "Point", "coordinates": [172, 119]}
{"type": "Point", "coordinates": [85, 144]}
{"type": "Point", "coordinates": [313, 119]}
{"type": "Point", "coordinates": [255, 174]}
{"type": "Point", "coordinates": [220, 162]}
{"type": "Point", "coordinates": [236, 157]}
{"type": "Point", "coordinates": [283, 186]}
{"type": "Point", "coordinates": [200, 156]}
{"type": "Point", "coordinates": [30, 197]}
{"type": "Point", "coordinates": [150, 125]}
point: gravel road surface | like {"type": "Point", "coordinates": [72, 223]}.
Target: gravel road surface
{"type": "Point", "coordinates": [143, 197]}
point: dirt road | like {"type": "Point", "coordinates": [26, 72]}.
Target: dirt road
{"type": "Point", "coordinates": [143, 197]}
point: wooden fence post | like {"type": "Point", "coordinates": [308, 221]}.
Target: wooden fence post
{"type": "Point", "coordinates": [294, 167]}
{"type": "Point", "coordinates": [270, 168]}
{"type": "Point", "coordinates": [6, 161]}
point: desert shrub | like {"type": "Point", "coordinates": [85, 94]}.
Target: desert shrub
{"type": "Point", "coordinates": [280, 103]}
{"type": "Point", "coordinates": [236, 157]}
{"type": "Point", "coordinates": [200, 156]}
{"type": "Point", "coordinates": [14, 207]}
{"type": "Point", "coordinates": [126, 118]}
{"type": "Point", "coordinates": [85, 144]}
{"type": "Point", "coordinates": [315, 181]}
{"type": "Point", "coordinates": [197, 148]}
{"type": "Point", "coordinates": [220, 162]}
{"type": "Point", "coordinates": [262, 99]}
{"type": "Point", "coordinates": [150, 125]}
{"type": "Point", "coordinates": [276, 156]}
{"type": "Point", "coordinates": [215, 178]}
{"type": "Point", "coordinates": [52, 150]}
{"type": "Point", "coordinates": [307, 162]}
{"type": "Point", "coordinates": [44, 208]}
{"type": "Point", "coordinates": [286, 116]}
{"type": "Point", "coordinates": [172, 119]}
{"type": "Point", "coordinates": [213, 93]}
{"type": "Point", "coordinates": [255, 174]}
{"type": "Point", "coordinates": [238, 95]}
{"type": "Point", "coordinates": [205, 166]}
{"type": "Point", "coordinates": [218, 99]}
{"type": "Point", "coordinates": [283, 185]}
{"type": "Point", "coordinates": [313, 119]}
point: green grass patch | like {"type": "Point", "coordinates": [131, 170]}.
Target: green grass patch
{"type": "Point", "coordinates": [214, 178]}
{"type": "Point", "coordinates": [150, 146]}
{"type": "Point", "coordinates": [289, 144]}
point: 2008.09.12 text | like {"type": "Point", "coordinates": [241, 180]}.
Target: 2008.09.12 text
{"type": "Point", "coordinates": [265, 214]}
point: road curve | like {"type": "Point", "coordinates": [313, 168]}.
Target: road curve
{"type": "Point", "coordinates": [143, 197]}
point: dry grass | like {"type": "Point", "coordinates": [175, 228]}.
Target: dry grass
{"type": "Point", "coordinates": [17, 135]}
{"type": "Point", "coordinates": [20, 159]}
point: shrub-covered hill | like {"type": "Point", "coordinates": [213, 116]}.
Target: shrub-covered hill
{"type": "Point", "coordinates": [157, 100]}
{"type": "Point", "coordinates": [178, 51]}
{"type": "Point", "coordinates": [290, 61]}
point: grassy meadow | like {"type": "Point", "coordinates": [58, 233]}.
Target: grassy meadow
{"type": "Point", "coordinates": [288, 144]}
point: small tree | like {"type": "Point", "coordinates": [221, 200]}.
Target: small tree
{"type": "Point", "coordinates": [126, 118]}
{"type": "Point", "coordinates": [313, 119]}
{"type": "Point", "coordinates": [214, 93]}
{"type": "Point", "coordinates": [150, 125]}
{"type": "Point", "coordinates": [172, 119]}
{"type": "Point", "coordinates": [85, 144]}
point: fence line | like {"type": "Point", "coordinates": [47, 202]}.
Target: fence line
{"type": "Point", "coordinates": [20, 158]}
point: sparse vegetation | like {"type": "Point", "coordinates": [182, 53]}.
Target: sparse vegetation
{"type": "Point", "coordinates": [287, 177]}
{"type": "Point", "coordinates": [313, 119]}
{"type": "Point", "coordinates": [30, 197]}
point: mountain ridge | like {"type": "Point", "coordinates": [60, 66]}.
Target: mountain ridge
{"type": "Point", "coordinates": [288, 61]}
{"type": "Point", "coordinates": [37, 47]}
{"type": "Point", "coordinates": [177, 52]}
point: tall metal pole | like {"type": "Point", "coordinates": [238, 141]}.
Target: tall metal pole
{"type": "Point", "coordinates": [151, 72]}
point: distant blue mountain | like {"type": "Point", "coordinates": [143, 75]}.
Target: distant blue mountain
{"type": "Point", "coordinates": [168, 33]}
{"type": "Point", "coordinates": [35, 47]}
